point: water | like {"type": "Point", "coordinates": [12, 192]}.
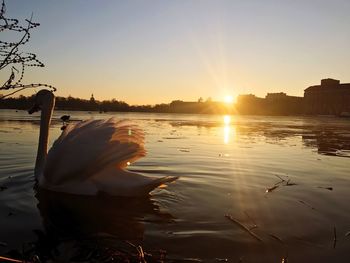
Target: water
{"type": "Point", "coordinates": [285, 178]}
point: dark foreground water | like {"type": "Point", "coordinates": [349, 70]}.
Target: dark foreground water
{"type": "Point", "coordinates": [255, 189]}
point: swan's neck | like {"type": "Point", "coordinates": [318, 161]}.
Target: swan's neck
{"type": "Point", "coordinates": [45, 120]}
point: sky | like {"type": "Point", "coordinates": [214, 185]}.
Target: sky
{"type": "Point", "coordinates": [156, 51]}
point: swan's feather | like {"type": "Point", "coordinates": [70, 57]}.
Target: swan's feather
{"type": "Point", "coordinates": [127, 183]}
{"type": "Point", "coordinates": [88, 147]}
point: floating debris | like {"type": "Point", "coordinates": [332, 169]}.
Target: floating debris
{"type": "Point", "coordinates": [284, 259]}
{"type": "Point", "coordinates": [221, 259]}
{"type": "Point", "coordinates": [277, 238]}
{"type": "Point", "coordinates": [174, 138]}
{"type": "Point", "coordinates": [347, 234]}
{"type": "Point", "coordinates": [269, 190]}
{"type": "Point", "coordinates": [88, 250]}
{"type": "Point", "coordinates": [243, 227]}
{"type": "Point", "coordinates": [252, 220]}
{"type": "Point", "coordinates": [279, 177]}
{"type": "Point", "coordinates": [185, 260]}
{"type": "Point", "coordinates": [327, 188]}
{"type": "Point", "coordinates": [184, 150]}
{"type": "Point", "coordinates": [306, 204]}
{"type": "Point", "coordinates": [3, 244]}
{"type": "Point", "coordinates": [141, 255]}
{"type": "Point", "coordinates": [289, 183]}
{"type": "Point", "coordinates": [6, 259]}
{"type": "Point", "coordinates": [282, 182]}
{"type": "Point", "coordinates": [335, 237]}
{"type": "Point", "coordinates": [3, 187]}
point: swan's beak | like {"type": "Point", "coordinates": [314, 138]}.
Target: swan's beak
{"type": "Point", "coordinates": [33, 109]}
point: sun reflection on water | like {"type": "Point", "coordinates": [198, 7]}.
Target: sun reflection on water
{"type": "Point", "coordinates": [228, 129]}
{"type": "Point", "coordinates": [227, 119]}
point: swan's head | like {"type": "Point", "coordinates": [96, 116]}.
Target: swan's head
{"type": "Point", "coordinates": [44, 99]}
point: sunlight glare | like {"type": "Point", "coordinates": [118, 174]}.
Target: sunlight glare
{"type": "Point", "coordinates": [227, 128]}
{"type": "Point", "coordinates": [227, 119]}
{"type": "Point", "coordinates": [228, 99]}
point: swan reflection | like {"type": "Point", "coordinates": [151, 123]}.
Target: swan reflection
{"type": "Point", "coordinates": [73, 216]}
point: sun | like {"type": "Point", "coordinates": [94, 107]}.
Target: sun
{"type": "Point", "coordinates": [228, 99]}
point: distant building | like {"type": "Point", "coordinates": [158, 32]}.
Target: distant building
{"type": "Point", "coordinates": [248, 98]}
{"type": "Point", "coordinates": [281, 96]}
{"type": "Point", "coordinates": [331, 97]}
{"type": "Point", "coordinates": [92, 99]}
{"type": "Point", "coordinates": [273, 104]}
{"type": "Point", "coordinates": [276, 96]}
{"type": "Point", "coordinates": [282, 104]}
{"type": "Point", "coordinates": [209, 106]}
{"type": "Point", "coordinates": [250, 104]}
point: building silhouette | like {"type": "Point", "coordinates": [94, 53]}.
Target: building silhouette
{"type": "Point", "coordinates": [250, 104]}
{"type": "Point", "coordinates": [330, 98]}
{"type": "Point", "coordinates": [282, 104]}
{"type": "Point", "coordinates": [273, 104]}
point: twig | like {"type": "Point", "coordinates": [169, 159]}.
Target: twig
{"type": "Point", "coordinates": [284, 259]}
{"type": "Point", "coordinates": [327, 188]}
{"type": "Point", "coordinates": [269, 190]}
{"type": "Point", "coordinates": [11, 55]}
{"type": "Point", "coordinates": [283, 182]}
{"type": "Point", "coordinates": [243, 227]}
{"type": "Point", "coordinates": [289, 184]}
{"type": "Point", "coordinates": [306, 204]}
{"type": "Point", "coordinates": [7, 95]}
{"type": "Point", "coordinates": [141, 254]}
{"type": "Point", "coordinates": [10, 259]}
{"type": "Point", "coordinates": [279, 177]}
{"type": "Point", "coordinates": [277, 238]}
{"type": "Point", "coordinates": [252, 220]}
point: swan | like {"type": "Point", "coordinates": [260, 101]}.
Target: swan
{"type": "Point", "coordinates": [90, 156]}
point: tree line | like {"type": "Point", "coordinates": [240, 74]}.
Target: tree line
{"type": "Point", "coordinates": [75, 104]}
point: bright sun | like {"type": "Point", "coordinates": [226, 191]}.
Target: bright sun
{"type": "Point", "coordinates": [228, 99]}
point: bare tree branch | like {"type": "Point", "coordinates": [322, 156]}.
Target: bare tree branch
{"type": "Point", "coordinates": [10, 54]}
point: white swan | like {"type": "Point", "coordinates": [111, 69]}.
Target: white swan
{"type": "Point", "coordinates": [90, 156]}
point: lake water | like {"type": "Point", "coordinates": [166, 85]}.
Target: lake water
{"type": "Point", "coordinates": [285, 179]}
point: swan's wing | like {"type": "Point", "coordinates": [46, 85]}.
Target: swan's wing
{"type": "Point", "coordinates": [85, 148]}
{"type": "Point", "coordinates": [120, 182]}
